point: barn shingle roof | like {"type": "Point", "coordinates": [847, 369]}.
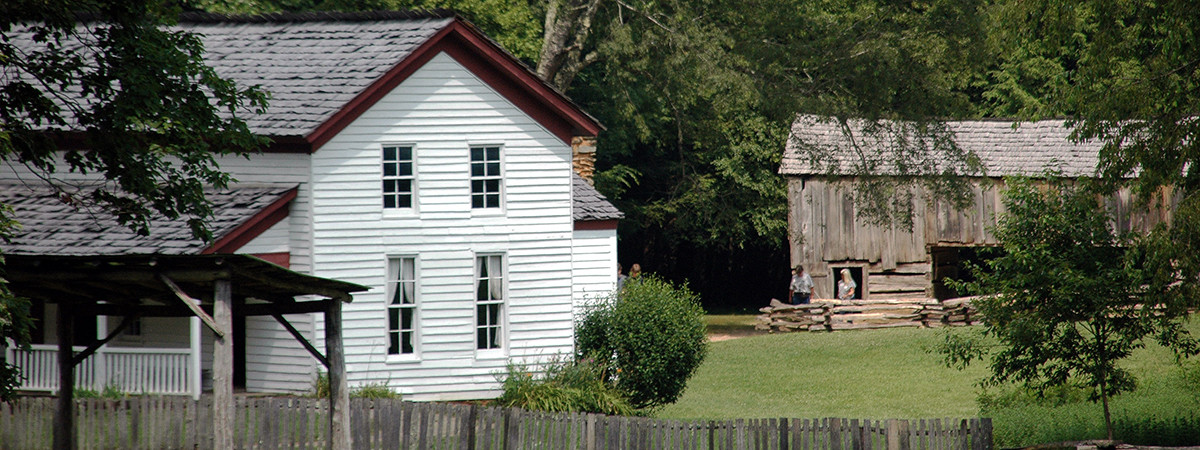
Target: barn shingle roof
{"type": "Point", "coordinates": [1004, 148]}
{"type": "Point", "coordinates": [51, 225]}
{"type": "Point", "coordinates": [589, 204]}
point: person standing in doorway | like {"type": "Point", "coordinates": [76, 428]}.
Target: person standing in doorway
{"type": "Point", "coordinates": [800, 289]}
{"type": "Point", "coordinates": [846, 286]}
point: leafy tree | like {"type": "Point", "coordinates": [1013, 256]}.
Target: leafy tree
{"type": "Point", "coordinates": [648, 339]}
{"type": "Point", "coordinates": [135, 104]}
{"type": "Point", "coordinates": [1068, 298]}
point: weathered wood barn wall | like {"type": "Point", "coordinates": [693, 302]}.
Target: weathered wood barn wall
{"type": "Point", "coordinates": [827, 234]}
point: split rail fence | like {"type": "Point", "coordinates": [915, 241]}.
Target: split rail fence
{"type": "Point", "coordinates": [270, 423]}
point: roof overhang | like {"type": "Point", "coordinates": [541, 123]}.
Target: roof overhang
{"type": "Point", "coordinates": [128, 284]}
{"type": "Point", "coordinates": [486, 60]}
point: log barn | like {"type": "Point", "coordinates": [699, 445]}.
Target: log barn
{"type": "Point", "coordinates": [823, 163]}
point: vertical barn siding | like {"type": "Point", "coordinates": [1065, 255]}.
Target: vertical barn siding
{"type": "Point", "coordinates": [825, 231]}
{"type": "Point", "coordinates": [441, 110]}
{"type": "Point", "coordinates": [594, 255]}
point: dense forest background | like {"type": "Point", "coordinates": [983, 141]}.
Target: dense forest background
{"type": "Point", "coordinates": [698, 95]}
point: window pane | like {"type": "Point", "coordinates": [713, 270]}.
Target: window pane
{"type": "Point", "coordinates": [397, 295]}
{"type": "Point", "coordinates": [404, 169]}
{"type": "Point", "coordinates": [403, 185]}
{"type": "Point", "coordinates": [493, 169]}
{"type": "Point", "coordinates": [406, 318]}
{"type": "Point", "coordinates": [493, 201]}
{"type": "Point", "coordinates": [493, 153]}
{"type": "Point", "coordinates": [494, 314]}
{"type": "Point", "coordinates": [405, 201]}
{"type": "Point", "coordinates": [407, 340]}
{"type": "Point", "coordinates": [481, 315]}
{"type": "Point", "coordinates": [494, 337]}
{"type": "Point", "coordinates": [477, 201]}
{"type": "Point", "coordinates": [476, 186]}
{"type": "Point", "coordinates": [405, 154]}
{"type": "Point", "coordinates": [492, 186]}
{"type": "Point", "coordinates": [389, 201]}
{"type": "Point", "coordinates": [389, 186]}
{"type": "Point", "coordinates": [393, 343]}
{"type": "Point", "coordinates": [393, 319]}
{"type": "Point", "coordinates": [481, 339]}
{"type": "Point", "coordinates": [389, 153]}
{"type": "Point", "coordinates": [476, 154]}
{"type": "Point", "coordinates": [476, 170]}
{"type": "Point", "coordinates": [389, 169]}
{"type": "Point", "coordinates": [408, 286]}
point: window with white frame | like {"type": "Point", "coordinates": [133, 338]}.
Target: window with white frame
{"type": "Point", "coordinates": [398, 176]}
{"type": "Point", "coordinates": [485, 177]}
{"type": "Point", "coordinates": [402, 306]}
{"type": "Point", "coordinates": [489, 301]}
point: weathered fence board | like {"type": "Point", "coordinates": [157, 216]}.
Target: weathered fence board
{"type": "Point", "coordinates": [288, 422]}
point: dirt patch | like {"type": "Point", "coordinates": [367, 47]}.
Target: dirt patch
{"type": "Point", "coordinates": [725, 334]}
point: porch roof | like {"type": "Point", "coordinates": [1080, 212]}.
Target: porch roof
{"type": "Point", "coordinates": [138, 284]}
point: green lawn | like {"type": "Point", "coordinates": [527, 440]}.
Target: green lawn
{"type": "Point", "coordinates": [881, 374]}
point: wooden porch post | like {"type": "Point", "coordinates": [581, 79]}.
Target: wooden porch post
{"type": "Point", "coordinates": [339, 395]}
{"type": "Point", "coordinates": [195, 381]}
{"type": "Point", "coordinates": [64, 413]}
{"type": "Point", "coordinates": [223, 406]}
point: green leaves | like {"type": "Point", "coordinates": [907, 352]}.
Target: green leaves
{"type": "Point", "coordinates": [1069, 297]}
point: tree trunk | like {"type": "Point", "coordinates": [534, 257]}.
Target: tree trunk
{"type": "Point", "coordinates": [568, 25]}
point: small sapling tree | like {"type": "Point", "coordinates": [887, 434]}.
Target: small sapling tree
{"type": "Point", "coordinates": [1068, 298]}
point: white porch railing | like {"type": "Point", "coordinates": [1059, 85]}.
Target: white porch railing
{"type": "Point", "coordinates": [132, 370]}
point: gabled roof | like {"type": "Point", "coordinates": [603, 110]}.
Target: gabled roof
{"type": "Point", "coordinates": [323, 70]}
{"type": "Point", "coordinates": [53, 226]}
{"type": "Point", "coordinates": [1004, 147]}
{"type": "Point", "coordinates": [589, 204]}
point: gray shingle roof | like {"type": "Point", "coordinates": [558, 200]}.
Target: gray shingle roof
{"type": "Point", "coordinates": [312, 64]}
{"type": "Point", "coordinates": [50, 226]}
{"type": "Point", "coordinates": [590, 204]}
{"type": "Point", "coordinates": [1029, 148]}
{"type": "Point", "coordinates": [311, 68]}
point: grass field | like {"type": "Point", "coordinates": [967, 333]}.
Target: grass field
{"type": "Point", "coordinates": [881, 374]}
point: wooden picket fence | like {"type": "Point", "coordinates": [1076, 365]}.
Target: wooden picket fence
{"type": "Point", "coordinates": [287, 422]}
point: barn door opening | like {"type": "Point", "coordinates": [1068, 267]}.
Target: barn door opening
{"type": "Point", "coordinates": [856, 273]}
{"type": "Point", "coordinates": [953, 263]}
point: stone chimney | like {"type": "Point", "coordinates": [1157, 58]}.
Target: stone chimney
{"type": "Point", "coordinates": [583, 156]}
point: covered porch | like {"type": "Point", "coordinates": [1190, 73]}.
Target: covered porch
{"type": "Point", "coordinates": [207, 291]}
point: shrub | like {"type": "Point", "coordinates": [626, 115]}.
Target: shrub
{"type": "Point", "coordinates": [565, 386]}
{"type": "Point", "coordinates": [648, 340]}
{"type": "Point", "coordinates": [371, 390]}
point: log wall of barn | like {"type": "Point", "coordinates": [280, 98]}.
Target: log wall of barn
{"type": "Point", "coordinates": [826, 235]}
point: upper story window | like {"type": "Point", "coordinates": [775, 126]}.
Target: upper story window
{"type": "Point", "coordinates": [402, 306]}
{"type": "Point", "coordinates": [398, 176]}
{"type": "Point", "coordinates": [489, 301]}
{"type": "Point", "coordinates": [485, 177]}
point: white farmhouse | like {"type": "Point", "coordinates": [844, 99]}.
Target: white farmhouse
{"type": "Point", "coordinates": [410, 154]}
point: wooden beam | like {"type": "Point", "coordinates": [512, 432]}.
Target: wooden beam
{"type": "Point", "coordinates": [339, 394]}
{"type": "Point", "coordinates": [64, 411]}
{"type": "Point", "coordinates": [285, 286]}
{"type": "Point", "coordinates": [302, 340]}
{"type": "Point", "coordinates": [125, 321]}
{"type": "Point", "coordinates": [194, 305]}
{"type": "Point", "coordinates": [222, 370]}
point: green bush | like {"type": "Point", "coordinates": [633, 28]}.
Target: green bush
{"type": "Point", "coordinates": [648, 341]}
{"type": "Point", "coordinates": [565, 386]}
{"type": "Point", "coordinates": [371, 390]}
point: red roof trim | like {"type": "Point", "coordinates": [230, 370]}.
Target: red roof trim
{"type": "Point", "coordinates": [255, 226]}
{"type": "Point", "coordinates": [610, 224]}
{"type": "Point", "coordinates": [487, 61]}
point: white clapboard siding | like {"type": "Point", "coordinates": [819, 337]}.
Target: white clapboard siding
{"type": "Point", "coordinates": [275, 362]}
{"type": "Point", "coordinates": [593, 257]}
{"type": "Point", "coordinates": [441, 110]}
{"type": "Point", "coordinates": [274, 240]}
